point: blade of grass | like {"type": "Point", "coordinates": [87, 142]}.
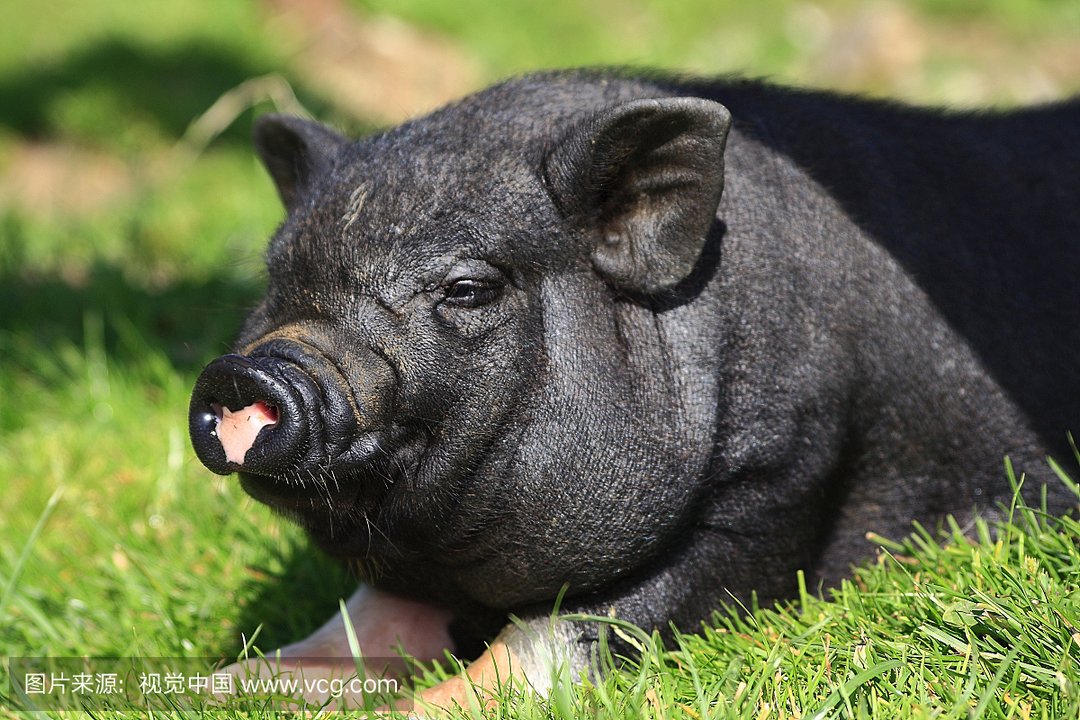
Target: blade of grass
{"type": "Point", "coordinates": [988, 694]}
{"type": "Point", "coordinates": [28, 548]}
{"type": "Point", "coordinates": [846, 689]}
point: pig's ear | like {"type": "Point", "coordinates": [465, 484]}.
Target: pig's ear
{"type": "Point", "coordinates": [643, 181]}
{"type": "Point", "coordinates": [294, 151]}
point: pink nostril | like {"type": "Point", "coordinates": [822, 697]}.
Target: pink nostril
{"type": "Point", "coordinates": [237, 430]}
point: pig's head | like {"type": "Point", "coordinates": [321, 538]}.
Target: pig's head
{"type": "Point", "coordinates": [458, 362]}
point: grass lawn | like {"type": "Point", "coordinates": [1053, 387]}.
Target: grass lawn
{"type": "Point", "coordinates": [130, 242]}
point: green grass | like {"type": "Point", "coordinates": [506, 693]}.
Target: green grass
{"type": "Point", "coordinates": [115, 541]}
{"type": "Point", "coordinates": [985, 628]}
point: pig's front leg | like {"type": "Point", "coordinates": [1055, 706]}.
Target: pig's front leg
{"type": "Point", "coordinates": [386, 625]}
{"type": "Point", "coordinates": [683, 588]}
{"type": "Point", "coordinates": [536, 654]}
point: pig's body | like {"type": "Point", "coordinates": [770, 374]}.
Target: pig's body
{"type": "Point", "coordinates": [539, 354]}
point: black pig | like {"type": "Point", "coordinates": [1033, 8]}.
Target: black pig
{"type": "Point", "coordinates": [657, 341]}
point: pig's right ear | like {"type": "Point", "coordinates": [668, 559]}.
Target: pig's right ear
{"type": "Point", "coordinates": [295, 151]}
{"type": "Point", "coordinates": [642, 181]}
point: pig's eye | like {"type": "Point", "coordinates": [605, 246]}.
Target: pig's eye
{"type": "Point", "coordinates": [468, 293]}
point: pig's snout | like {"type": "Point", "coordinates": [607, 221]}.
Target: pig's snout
{"type": "Point", "coordinates": [253, 414]}
{"type": "Point", "coordinates": [291, 418]}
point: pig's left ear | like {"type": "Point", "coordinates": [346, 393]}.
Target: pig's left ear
{"type": "Point", "coordinates": [295, 151]}
{"type": "Point", "coordinates": [643, 181]}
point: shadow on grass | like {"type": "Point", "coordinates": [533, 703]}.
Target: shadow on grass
{"type": "Point", "coordinates": [118, 91]}
{"type": "Point", "coordinates": [188, 321]}
{"type": "Point", "coordinates": [292, 602]}
{"type": "Point", "coordinates": [164, 88]}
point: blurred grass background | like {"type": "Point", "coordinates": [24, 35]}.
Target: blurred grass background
{"type": "Point", "coordinates": [131, 234]}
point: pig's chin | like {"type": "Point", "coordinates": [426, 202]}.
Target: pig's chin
{"type": "Point", "coordinates": [382, 507]}
{"type": "Point", "coordinates": [314, 500]}
{"type": "Point", "coordinates": [281, 494]}
{"type": "Point", "coordinates": [355, 481]}
{"type": "Point", "coordinates": [339, 520]}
